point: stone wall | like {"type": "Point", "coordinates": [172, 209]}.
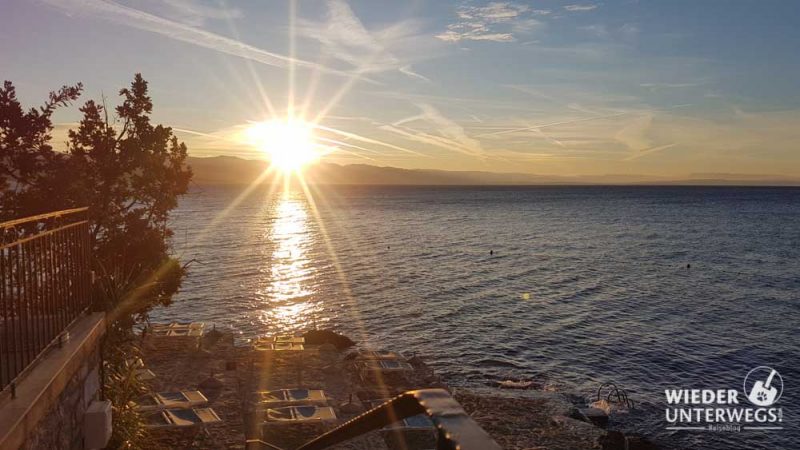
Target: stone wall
{"type": "Point", "coordinates": [62, 426]}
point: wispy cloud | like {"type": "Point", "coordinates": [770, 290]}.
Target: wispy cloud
{"type": "Point", "coordinates": [134, 18]}
{"type": "Point", "coordinates": [586, 7]}
{"type": "Point", "coordinates": [496, 21]}
{"type": "Point", "coordinates": [192, 12]}
{"type": "Point", "coordinates": [449, 134]}
{"type": "Point", "coordinates": [647, 151]}
{"type": "Point", "coordinates": [345, 38]}
{"type": "Point", "coordinates": [407, 70]}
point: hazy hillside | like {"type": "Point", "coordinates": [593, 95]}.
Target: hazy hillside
{"type": "Point", "coordinates": [236, 171]}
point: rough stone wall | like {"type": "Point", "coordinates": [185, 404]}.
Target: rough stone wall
{"type": "Point", "coordinates": [62, 427]}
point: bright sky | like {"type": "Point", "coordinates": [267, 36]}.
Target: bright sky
{"type": "Point", "coordinates": [549, 87]}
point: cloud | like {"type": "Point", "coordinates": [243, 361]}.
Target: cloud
{"type": "Point", "coordinates": [449, 134]}
{"type": "Point", "coordinates": [647, 151]}
{"type": "Point", "coordinates": [661, 86]}
{"type": "Point", "coordinates": [134, 18]}
{"type": "Point", "coordinates": [496, 21]}
{"type": "Point", "coordinates": [597, 29]}
{"type": "Point", "coordinates": [634, 134]}
{"type": "Point", "coordinates": [410, 72]}
{"type": "Point", "coordinates": [629, 29]}
{"type": "Point", "coordinates": [194, 13]}
{"type": "Point", "coordinates": [574, 8]}
{"type": "Point", "coordinates": [345, 38]}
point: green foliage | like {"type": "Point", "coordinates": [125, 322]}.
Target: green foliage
{"type": "Point", "coordinates": [130, 174]}
{"type": "Point", "coordinates": [128, 171]}
{"type": "Point", "coordinates": [28, 164]}
{"type": "Point", "coordinates": [121, 358]}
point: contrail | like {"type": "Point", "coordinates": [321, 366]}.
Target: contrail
{"type": "Point", "coordinates": [647, 151]}
{"type": "Point", "coordinates": [141, 20]}
{"type": "Point", "coordinates": [585, 119]}
{"type": "Point", "coordinates": [552, 124]}
{"type": "Point", "coordinates": [368, 140]}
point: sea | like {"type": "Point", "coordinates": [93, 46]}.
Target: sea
{"type": "Point", "coordinates": [651, 288]}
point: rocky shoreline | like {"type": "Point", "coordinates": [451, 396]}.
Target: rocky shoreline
{"type": "Point", "coordinates": [227, 374]}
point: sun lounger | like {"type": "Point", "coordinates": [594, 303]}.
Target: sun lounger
{"type": "Point", "coordinates": [300, 414]}
{"type": "Point", "coordinates": [185, 332]}
{"type": "Point", "coordinates": [419, 422]}
{"type": "Point", "coordinates": [384, 371]}
{"type": "Point", "coordinates": [412, 432]}
{"type": "Point", "coordinates": [168, 400]}
{"type": "Point", "coordinates": [386, 365]}
{"type": "Point", "coordinates": [286, 338]}
{"type": "Point", "coordinates": [278, 347]}
{"type": "Point", "coordinates": [176, 329]}
{"type": "Point", "coordinates": [377, 355]}
{"type": "Point", "coordinates": [290, 397]}
{"type": "Point", "coordinates": [181, 418]}
{"type": "Point", "coordinates": [289, 338]}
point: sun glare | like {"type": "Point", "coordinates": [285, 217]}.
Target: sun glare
{"type": "Point", "coordinates": [289, 144]}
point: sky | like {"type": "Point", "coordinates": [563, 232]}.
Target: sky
{"type": "Point", "coordinates": [658, 88]}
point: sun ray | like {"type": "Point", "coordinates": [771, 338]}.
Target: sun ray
{"type": "Point", "coordinates": [251, 69]}
{"type": "Point", "coordinates": [347, 291]}
{"type": "Point", "coordinates": [316, 77]}
{"type": "Point", "coordinates": [292, 49]}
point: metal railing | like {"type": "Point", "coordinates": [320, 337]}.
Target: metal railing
{"type": "Point", "coordinates": [45, 279]}
{"type": "Point", "coordinates": [454, 428]}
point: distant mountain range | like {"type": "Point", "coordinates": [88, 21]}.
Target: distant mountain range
{"type": "Point", "coordinates": [229, 170]}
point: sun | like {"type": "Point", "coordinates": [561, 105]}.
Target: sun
{"type": "Point", "coordinates": [290, 144]}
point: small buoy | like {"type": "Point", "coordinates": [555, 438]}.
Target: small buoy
{"type": "Point", "coordinates": [526, 295]}
{"type": "Point", "coordinates": [688, 266]}
{"type": "Point", "coordinates": [491, 252]}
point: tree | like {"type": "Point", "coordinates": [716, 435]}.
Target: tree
{"type": "Point", "coordinates": [130, 174]}
{"type": "Point", "coordinates": [28, 164]}
{"type": "Point", "coordinates": [128, 171]}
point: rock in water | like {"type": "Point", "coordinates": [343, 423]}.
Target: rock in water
{"type": "Point", "coordinates": [596, 416]}
{"type": "Point", "coordinates": [319, 337]}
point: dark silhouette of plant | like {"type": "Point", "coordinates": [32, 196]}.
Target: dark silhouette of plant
{"type": "Point", "coordinates": [28, 164]}
{"type": "Point", "coordinates": [128, 171]}
{"type": "Point", "coordinates": [130, 174]}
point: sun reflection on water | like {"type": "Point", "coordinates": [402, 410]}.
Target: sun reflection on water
{"type": "Point", "coordinates": [289, 285]}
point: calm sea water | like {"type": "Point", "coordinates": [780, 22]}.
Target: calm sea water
{"type": "Point", "coordinates": [610, 295]}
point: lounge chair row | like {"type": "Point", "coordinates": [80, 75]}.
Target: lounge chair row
{"type": "Point", "coordinates": [301, 414]}
{"type": "Point", "coordinates": [293, 406]}
{"type": "Point", "coordinates": [181, 418]}
{"type": "Point", "coordinates": [176, 329]}
{"type": "Point", "coordinates": [171, 400]}
{"type": "Point", "coordinates": [173, 409]}
{"type": "Point", "coordinates": [279, 343]}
